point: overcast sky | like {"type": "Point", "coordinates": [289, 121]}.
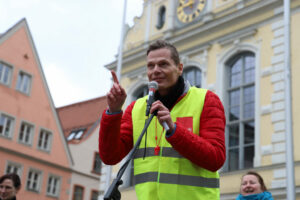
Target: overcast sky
{"type": "Point", "coordinates": [74, 40]}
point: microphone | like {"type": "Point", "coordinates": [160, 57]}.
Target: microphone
{"type": "Point", "coordinates": [153, 86]}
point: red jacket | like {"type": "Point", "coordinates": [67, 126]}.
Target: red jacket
{"type": "Point", "coordinates": [206, 150]}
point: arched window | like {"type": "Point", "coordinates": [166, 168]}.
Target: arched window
{"type": "Point", "coordinates": [241, 104]}
{"type": "Point", "coordinates": [193, 75]}
{"type": "Point", "coordinates": [161, 18]}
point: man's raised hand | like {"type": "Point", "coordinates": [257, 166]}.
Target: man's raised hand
{"type": "Point", "coordinates": [116, 96]}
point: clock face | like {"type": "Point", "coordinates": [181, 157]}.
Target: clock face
{"type": "Point", "coordinates": [188, 10]}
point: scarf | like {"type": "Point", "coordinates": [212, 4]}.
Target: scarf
{"type": "Point", "coordinates": [261, 196]}
{"type": "Point", "coordinates": [175, 92]}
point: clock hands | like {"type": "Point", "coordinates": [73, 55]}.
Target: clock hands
{"type": "Point", "coordinates": [190, 3]}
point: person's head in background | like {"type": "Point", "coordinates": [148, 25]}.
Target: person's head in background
{"type": "Point", "coordinates": [10, 184]}
{"type": "Point", "coordinates": [252, 183]}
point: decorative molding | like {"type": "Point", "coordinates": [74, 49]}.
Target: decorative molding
{"type": "Point", "coordinates": [277, 59]}
{"type": "Point", "coordinates": [278, 50]}
{"type": "Point", "coordinates": [278, 183]}
{"type": "Point", "coordinates": [278, 24]}
{"type": "Point", "coordinates": [279, 147]}
{"type": "Point", "coordinates": [208, 17]}
{"type": "Point", "coordinates": [279, 126]}
{"type": "Point", "coordinates": [267, 109]}
{"type": "Point", "coordinates": [277, 116]}
{"type": "Point", "coordinates": [279, 32]}
{"type": "Point", "coordinates": [279, 173]}
{"type": "Point", "coordinates": [266, 150]}
{"type": "Point", "coordinates": [240, 4]}
{"type": "Point", "coordinates": [266, 71]}
{"type": "Point", "coordinates": [238, 35]}
{"type": "Point", "coordinates": [277, 41]}
{"type": "Point", "coordinates": [276, 77]}
{"type": "Point", "coordinates": [278, 96]}
{"type": "Point", "coordinates": [184, 59]}
{"type": "Point", "coordinates": [148, 20]}
{"type": "Point", "coordinates": [220, 3]}
{"type": "Point", "coordinates": [279, 86]}
{"type": "Point", "coordinates": [278, 137]}
{"type": "Point", "coordinates": [136, 72]}
{"type": "Point", "coordinates": [279, 67]}
{"type": "Point", "coordinates": [278, 158]}
{"type": "Point", "coordinates": [278, 10]}
{"type": "Point", "coordinates": [197, 49]}
{"type": "Point", "coordinates": [277, 106]}
{"type": "Point", "coordinates": [170, 17]}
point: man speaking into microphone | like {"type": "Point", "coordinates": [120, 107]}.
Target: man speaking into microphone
{"type": "Point", "coordinates": [182, 162]}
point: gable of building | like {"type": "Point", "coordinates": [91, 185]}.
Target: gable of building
{"type": "Point", "coordinates": [26, 98]}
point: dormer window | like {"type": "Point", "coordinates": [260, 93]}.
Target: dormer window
{"type": "Point", "coordinates": [161, 17]}
{"type": "Point", "coordinates": [76, 134]}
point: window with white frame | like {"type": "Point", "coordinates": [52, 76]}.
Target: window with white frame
{"type": "Point", "coordinates": [12, 167]}
{"type": "Point", "coordinates": [193, 75]}
{"type": "Point", "coordinates": [53, 186]}
{"type": "Point", "coordinates": [78, 192]}
{"type": "Point", "coordinates": [75, 134]}
{"type": "Point", "coordinates": [97, 164]}
{"type": "Point", "coordinates": [6, 125]}
{"type": "Point", "coordinates": [5, 73]}
{"type": "Point", "coordinates": [25, 133]}
{"type": "Point", "coordinates": [240, 127]}
{"type": "Point", "coordinates": [24, 82]}
{"type": "Point", "coordinates": [44, 141]}
{"type": "Point", "coordinates": [33, 180]}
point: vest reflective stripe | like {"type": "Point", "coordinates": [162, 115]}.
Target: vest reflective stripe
{"type": "Point", "coordinates": [166, 152]}
{"type": "Point", "coordinates": [170, 175]}
{"type": "Point", "coordinates": [177, 179]}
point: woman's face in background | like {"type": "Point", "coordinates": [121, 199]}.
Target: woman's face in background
{"type": "Point", "coordinates": [250, 185]}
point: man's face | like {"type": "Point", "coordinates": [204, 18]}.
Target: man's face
{"type": "Point", "coordinates": [162, 69]}
{"type": "Point", "coordinates": [7, 189]}
{"type": "Point", "coordinates": [250, 185]}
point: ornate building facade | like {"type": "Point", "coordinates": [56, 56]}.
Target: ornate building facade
{"type": "Point", "coordinates": [236, 49]}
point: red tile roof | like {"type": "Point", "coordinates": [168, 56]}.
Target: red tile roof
{"type": "Point", "coordinates": [82, 115]}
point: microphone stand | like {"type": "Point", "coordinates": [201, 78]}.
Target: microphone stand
{"type": "Point", "coordinates": [113, 193]}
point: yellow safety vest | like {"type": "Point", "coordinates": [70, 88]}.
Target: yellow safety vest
{"type": "Point", "coordinates": [169, 175]}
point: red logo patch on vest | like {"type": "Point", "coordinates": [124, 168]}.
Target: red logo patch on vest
{"type": "Point", "coordinates": [186, 122]}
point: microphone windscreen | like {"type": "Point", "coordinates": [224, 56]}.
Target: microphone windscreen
{"type": "Point", "coordinates": [153, 84]}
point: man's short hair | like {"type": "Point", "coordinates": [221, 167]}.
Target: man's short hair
{"type": "Point", "coordinates": [161, 44]}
